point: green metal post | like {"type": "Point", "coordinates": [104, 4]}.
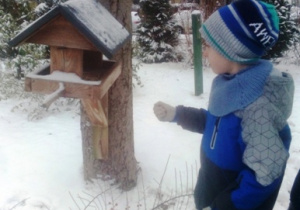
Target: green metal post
{"type": "Point", "coordinates": [197, 45]}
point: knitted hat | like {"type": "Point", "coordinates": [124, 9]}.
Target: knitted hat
{"type": "Point", "coordinates": [242, 31]}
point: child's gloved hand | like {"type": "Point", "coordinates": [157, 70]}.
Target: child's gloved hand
{"type": "Point", "coordinates": [207, 208]}
{"type": "Point", "coordinates": [164, 112]}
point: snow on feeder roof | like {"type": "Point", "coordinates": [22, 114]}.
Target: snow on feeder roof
{"type": "Point", "coordinates": [88, 23]}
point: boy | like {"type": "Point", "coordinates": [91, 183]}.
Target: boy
{"type": "Point", "coordinates": [246, 137]}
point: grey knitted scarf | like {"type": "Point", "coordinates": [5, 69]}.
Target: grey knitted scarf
{"type": "Point", "coordinates": [230, 93]}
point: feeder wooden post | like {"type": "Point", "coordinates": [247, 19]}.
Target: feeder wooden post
{"type": "Point", "coordinates": [97, 112]}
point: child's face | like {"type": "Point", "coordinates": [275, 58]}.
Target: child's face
{"type": "Point", "coordinates": [218, 63]}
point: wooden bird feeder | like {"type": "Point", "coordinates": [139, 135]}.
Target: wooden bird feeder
{"type": "Point", "coordinates": [79, 33]}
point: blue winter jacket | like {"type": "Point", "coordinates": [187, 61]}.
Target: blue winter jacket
{"type": "Point", "coordinates": [245, 140]}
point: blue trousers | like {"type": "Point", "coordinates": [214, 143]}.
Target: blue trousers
{"type": "Point", "coordinates": [295, 193]}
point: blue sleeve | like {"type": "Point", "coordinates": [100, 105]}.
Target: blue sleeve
{"type": "Point", "coordinates": [190, 118]}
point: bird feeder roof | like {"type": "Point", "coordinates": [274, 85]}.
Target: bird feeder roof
{"type": "Point", "coordinates": [90, 18]}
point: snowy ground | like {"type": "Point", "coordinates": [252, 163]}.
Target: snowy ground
{"type": "Point", "coordinates": [41, 158]}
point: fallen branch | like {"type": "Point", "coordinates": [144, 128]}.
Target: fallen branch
{"type": "Point", "coordinates": [173, 198]}
{"type": "Point", "coordinates": [22, 202]}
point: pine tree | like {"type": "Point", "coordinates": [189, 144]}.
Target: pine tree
{"type": "Point", "coordinates": [15, 15]}
{"type": "Point", "coordinates": [7, 28]}
{"type": "Point", "coordinates": [289, 33]}
{"type": "Point", "coordinates": [19, 10]}
{"type": "Point", "coordinates": [45, 5]}
{"type": "Point", "coordinates": [157, 36]}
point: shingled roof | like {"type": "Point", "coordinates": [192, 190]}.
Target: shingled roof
{"type": "Point", "coordinates": [90, 18]}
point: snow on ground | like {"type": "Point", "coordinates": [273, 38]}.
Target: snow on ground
{"type": "Point", "coordinates": [41, 158]}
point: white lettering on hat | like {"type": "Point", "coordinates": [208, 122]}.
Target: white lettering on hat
{"type": "Point", "coordinates": [262, 34]}
{"type": "Point", "coordinates": [256, 26]}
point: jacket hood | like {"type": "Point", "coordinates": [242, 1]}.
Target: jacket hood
{"type": "Point", "coordinates": [279, 90]}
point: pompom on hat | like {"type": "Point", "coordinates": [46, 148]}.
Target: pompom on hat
{"type": "Point", "coordinates": [242, 31]}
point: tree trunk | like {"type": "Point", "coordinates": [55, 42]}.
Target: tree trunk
{"type": "Point", "coordinates": [121, 164]}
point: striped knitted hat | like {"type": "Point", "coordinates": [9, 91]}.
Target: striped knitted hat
{"type": "Point", "coordinates": [242, 31]}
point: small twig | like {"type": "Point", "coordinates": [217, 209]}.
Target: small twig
{"type": "Point", "coordinates": [174, 198]}
{"type": "Point", "coordinates": [22, 201]}
{"type": "Point", "coordinates": [83, 200]}
{"type": "Point", "coordinates": [188, 198]}
{"type": "Point", "coordinates": [181, 182]}
{"type": "Point", "coordinates": [175, 181]}
{"type": "Point", "coordinates": [91, 197]}
{"type": "Point", "coordinates": [103, 197]}
{"type": "Point", "coordinates": [187, 176]}
{"type": "Point", "coordinates": [74, 200]}
{"type": "Point", "coordinates": [192, 172]}
{"type": "Point", "coordinates": [95, 198]}
{"type": "Point", "coordinates": [143, 184]}
{"type": "Point", "coordinates": [181, 185]}
{"type": "Point", "coordinates": [162, 178]}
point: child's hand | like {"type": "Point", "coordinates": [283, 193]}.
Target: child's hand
{"type": "Point", "coordinates": [164, 112]}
